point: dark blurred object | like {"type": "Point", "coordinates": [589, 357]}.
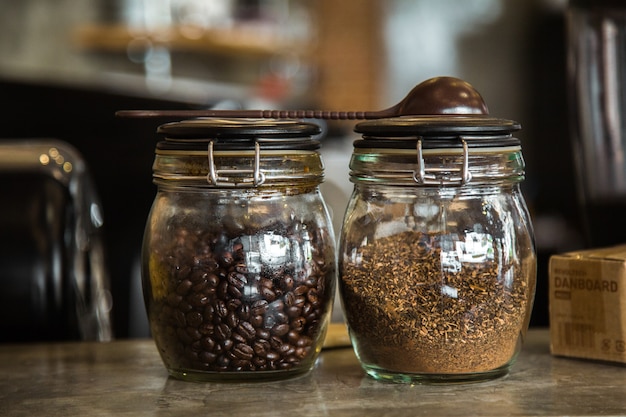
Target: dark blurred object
{"type": "Point", "coordinates": [119, 154]}
{"type": "Point", "coordinates": [596, 35]}
{"type": "Point", "coordinates": [53, 277]}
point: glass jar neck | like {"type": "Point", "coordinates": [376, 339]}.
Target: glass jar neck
{"type": "Point", "coordinates": [454, 167]}
{"type": "Point", "coordinates": [237, 169]}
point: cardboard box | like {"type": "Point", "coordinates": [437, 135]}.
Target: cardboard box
{"type": "Point", "coordinates": [588, 304]}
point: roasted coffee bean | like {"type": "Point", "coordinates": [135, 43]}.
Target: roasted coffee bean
{"type": "Point", "coordinates": [212, 280]}
{"type": "Point", "coordinates": [300, 290]}
{"type": "Point", "coordinates": [268, 294]}
{"type": "Point", "coordinates": [232, 319]}
{"type": "Point", "coordinates": [293, 336]}
{"type": "Point", "coordinates": [222, 290]}
{"type": "Point", "coordinates": [207, 328]}
{"type": "Point", "coordinates": [302, 351]}
{"type": "Point", "coordinates": [272, 356]}
{"type": "Point", "coordinates": [200, 286]}
{"type": "Point", "coordinates": [193, 333]}
{"type": "Point", "coordinates": [183, 336]}
{"type": "Point", "coordinates": [184, 306]}
{"type": "Point", "coordinates": [223, 361]}
{"type": "Point", "coordinates": [307, 309]}
{"type": "Point", "coordinates": [259, 307]}
{"type": "Point", "coordinates": [256, 321]}
{"type": "Point", "coordinates": [293, 311]}
{"type": "Point", "coordinates": [243, 312]}
{"type": "Point", "coordinates": [233, 304]}
{"type": "Point", "coordinates": [243, 351]}
{"type": "Point", "coordinates": [198, 276]}
{"type": "Point", "coordinates": [174, 299]}
{"type": "Point", "coordinates": [222, 331]}
{"type": "Point", "coordinates": [280, 317]}
{"type": "Point", "coordinates": [280, 329]}
{"type": "Point", "coordinates": [261, 347]}
{"type": "Point", "coordinates": [226, 260]}
{"type": "Point", "coordinates": [208, 343]}
{"type": "Point", "coordinates": [237, 337]}
{"type": "Point", "coordinates": [221, 310]}
{"type": "Point", "coordinates": [237, 280]}
{"type": "Point", "coordinates": [184, 287]}
{"type": "Point", "coordinates": [304, 341]}
{"type": "Point", "coordinates": [225, 310]}
{"type": "Point", "coordinates": [247, 330]}
{"type": "Point", "coordinates": [298, 323]}
{"type": "Point", "coordinates": [313, 298]}
{"type": "Point", "coordinates": [227, 344]}
{"type": "Point", "coordinates": [179, 318]}
{"type": "Point", "coordinates": [207, 357]}
{"type": "Point", "coordinates": [198, 300]}
{"type": "Point", "coordinates": [286, 349]}
{"type": "Point", "coordinates": [276, 342]}
{"type": "Point", "coordinates": [234, 291]}
{"type": "Point", "coordinates": [287, 283]}
{"type": "Point", "coordinates": [193, 319]}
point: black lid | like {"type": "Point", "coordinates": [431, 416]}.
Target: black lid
{"type": "Point", "coordinates": [239, 134]}
{"type": "Point", "coordinates": [436, 131]}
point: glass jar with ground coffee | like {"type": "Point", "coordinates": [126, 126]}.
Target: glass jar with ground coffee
{"type": "Point", "coordinates": [239, 261]}
{"type": "Point", "coordinates": [437, 264]}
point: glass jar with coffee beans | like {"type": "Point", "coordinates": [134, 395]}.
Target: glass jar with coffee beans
{"type": "Point", "coordinates": [239, 261]}
{"type": "Point", "coordinates": [437, 263]}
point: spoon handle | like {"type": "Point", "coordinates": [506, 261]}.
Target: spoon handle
{"type": "Point", "coordinates": [254, 114]}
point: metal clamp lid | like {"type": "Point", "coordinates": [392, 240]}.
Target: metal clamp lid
{"type": "Point", "coordinates": [239, 134]}
{"type": "Point", "coordinates": [437, 131]}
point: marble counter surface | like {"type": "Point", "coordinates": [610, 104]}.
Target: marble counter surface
{"type": "Point", "coordinates": [127, 378]}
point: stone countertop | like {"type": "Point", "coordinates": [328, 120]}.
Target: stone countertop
{"type": "Point", "coordinates": [126, 377]}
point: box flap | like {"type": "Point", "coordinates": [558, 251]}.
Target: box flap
{"type": "Point", "coordinates": [614, 253]}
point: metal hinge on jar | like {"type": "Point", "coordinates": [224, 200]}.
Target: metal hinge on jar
{"type": "Point", "coordinates": [234, 177]}
{"type": "Point", "coordinates": [428, 176]}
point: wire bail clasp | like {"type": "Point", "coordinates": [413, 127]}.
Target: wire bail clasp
{"type": "Point", "coordinates": [428, 176]}
{"type": "Point", "coordinates": [234, 177]}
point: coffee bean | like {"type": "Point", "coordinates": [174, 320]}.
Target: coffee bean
{"type": "Point", "coordinates": [256, 321]}
{"type": "Point", "coordinates": [232, 319]}
{"type": "Point", "coordinates": [247, 330]}
{"type": "Point", "coordinates": [287, 282]}
{"type": "Point", "coordinates": [222, 331]}
{"type": "Point", "coordinates": [243, 351]}
{"type": "Point", "coordinates": [243, 312]}
{"type": "Point", "coordinates": [259, 307]}
{"type": "Point", "coordinates": [208, 343]}
{"type": "Point", "coordinates": [261, 347]}
{"type": "Point", "coordinates": [184, 287]}
{"type": "Point", "coordinates": [268, 294]}
{"type": "Point", "coordinates": [300, 290]}
{"type": "Point", "coordinates": [293, 311]}
{"type": "Point", "coordinates": [225, 310]}
{"type": "Point", "coordinates": [207, 357]}
{"type": "Point", "coordinates": [212, 280]}
{"type": "Point", "coordinates": [280, 329]}
{"type": "Point", "coordinates": [298, 323]}
{"type": "Point", "coordinates": [198, 300]}
{"type": "Point", "coordinates": [227, 344]}
{"type": "Point", "coordinates": [193, 318]}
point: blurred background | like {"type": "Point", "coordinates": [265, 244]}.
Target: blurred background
{"type": "Point", "coordinates": [66, 66]}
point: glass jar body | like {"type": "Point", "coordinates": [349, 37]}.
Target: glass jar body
{"type": "Point", "coordinates": [238, 283]}
{"type": "Point", "coordinates": [437, 282]}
